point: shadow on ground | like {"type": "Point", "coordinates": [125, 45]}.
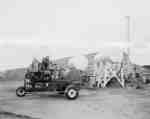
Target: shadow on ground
{"type": "Point", "coordinates": [10, 115]}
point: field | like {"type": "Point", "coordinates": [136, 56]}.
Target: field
{"type": "Point", "coordinates": [108, 103]}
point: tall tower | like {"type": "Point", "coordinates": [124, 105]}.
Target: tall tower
{"type": "Point", "coordinates": [128, 34]}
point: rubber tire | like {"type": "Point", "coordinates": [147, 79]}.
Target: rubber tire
{"type": "Point", "coordinates": [67, 94]}
{"type": "Point", "coordinates": [23, 92]}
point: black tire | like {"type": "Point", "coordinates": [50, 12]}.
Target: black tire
{"type": "Point", "coordinates": [20, 92]}
{"type": "Point", "coordinates": [72, 93]}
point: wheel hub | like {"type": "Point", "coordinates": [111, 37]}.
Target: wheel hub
{"type": "Point", "coordinates": [72, 93]}
{"type": "Point", "coordinates": [21, 92]}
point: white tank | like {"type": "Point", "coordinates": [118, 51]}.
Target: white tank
{"type": "Point", "coordinates": [79, 62]}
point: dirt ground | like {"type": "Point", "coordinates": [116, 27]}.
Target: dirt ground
{"type": "Point", "coordinates": [109, 103]}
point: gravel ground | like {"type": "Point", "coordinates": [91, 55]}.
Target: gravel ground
{"type": "Point", "coordinates": [109, 103]}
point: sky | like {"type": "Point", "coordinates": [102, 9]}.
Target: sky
{"type": "Point", "coordinates": [61, 28]}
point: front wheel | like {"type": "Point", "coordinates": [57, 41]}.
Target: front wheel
{"type": "Point", "coordinates": [72, 93]}
{"type": "Point", "coordinates": [20, 92]}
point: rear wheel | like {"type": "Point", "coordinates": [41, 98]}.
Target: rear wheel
{"type": "Point", "coordinates": [72, 93]}
{"type": "Point", "coordinates": [20, 92]}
